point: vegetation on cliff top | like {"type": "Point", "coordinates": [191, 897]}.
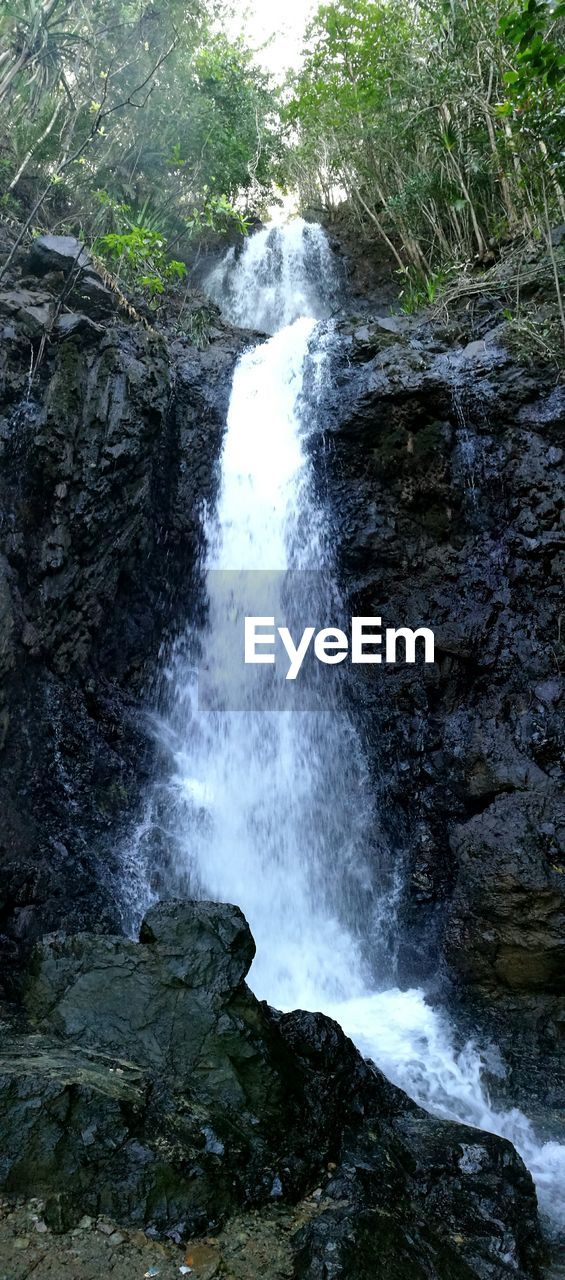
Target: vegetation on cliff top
{"type": "Point", "coordinates": [442, 124]}
{"type": "Point", "coordinates": [123, 118]}
{"type": "Point", "coordinates": [138, 126]}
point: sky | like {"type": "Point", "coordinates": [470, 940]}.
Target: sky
{"type": "Point", "coordinates": [284, 20]}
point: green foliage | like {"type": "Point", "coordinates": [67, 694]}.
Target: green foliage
{"type": "Point", "coordinates": [538, 57]}
{"type": "Point", "coordinates": [141, 259]}
{"type": "Point", "coordinates": [217, 214]}
{"type": "Point", "coordinates": [420, 290]}
{"type": "Point", "coordinates": [139, 126]}
{"type": "Point", "coordinates": [132, 116]}
{"type": "Point", "coordinates": [535, 86]}
{"type": "Point", "coordinates": [37, 39]}
{"type": "Point", "coordinates": [440, 123]}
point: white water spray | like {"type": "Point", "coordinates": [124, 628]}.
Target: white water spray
{"type": "Point", "coordinates": [272, 810]}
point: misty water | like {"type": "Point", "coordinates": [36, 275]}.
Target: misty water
{"type": "Point", "coordinates": [269, 806]}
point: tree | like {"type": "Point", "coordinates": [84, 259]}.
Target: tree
{"type": "Point", "coordinates": [439, 122]}
{"type": "Point", "coordinates": [130, 115]}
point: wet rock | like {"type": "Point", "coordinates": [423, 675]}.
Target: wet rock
{"type": "Point", "coordinates": [29, 308]}
{"type": "Point", "coordinates": [218, 940]}
{"type": "Point", "coordinates": [139, 1050]}
{"type": "Point", "coordinates": [445, 466]}
{"type": "Point", "coordinates": [393, 324]}
{"type": "Point", "coordinates": [71, 325]}
{"type": "Point", "coordinates": [507, 923]}
{"type": "Point", "coordinates": [6, 622]}
{"type": "Point", "coordinates": [156, 1003]}
{"type": "Point", "coordinates": [107, 457]}
{"type": "Point", "coordinates": [12, 301]}
{"type": "Point", "coordinates": [57, 253]}
{"type": "Point", "coordinates": [474, 350]}
{"type": "Point", "coordinates": [90, 293]}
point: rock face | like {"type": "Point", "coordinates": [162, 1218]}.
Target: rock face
{"type": "Point", "coordinates": [57, 253]}
{"type": "Point", "coordinates": [444, 462]}
{"type": "Point", "coordinates": [153, 1087]}
{"type": "Point", "coordinates": [108, 450]}
{"type": "Point", "coordinates": [506, 926]}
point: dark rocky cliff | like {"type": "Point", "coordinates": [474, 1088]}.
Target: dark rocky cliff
{"type": "Point", "coordinates": [108, 452]}
{"type": "Point", "coordinates": [444, 462]}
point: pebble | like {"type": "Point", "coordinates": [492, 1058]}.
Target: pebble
{"type": "Point", "coordinates": [21, 1242]}
{"type": "Point", "coordinates": [116, 1238]}
{"type": "Point", "coordinates": [85, 1223]}
{"type": "Point", "coordinates": [41, 1227]}
{"type": "Point", "coordinates": [204, 1260]}
{"type": "Point", "coordinates": [139, 1239]}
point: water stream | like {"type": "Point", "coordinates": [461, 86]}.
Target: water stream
{"type": "Point", "coordinates": [271, 809]}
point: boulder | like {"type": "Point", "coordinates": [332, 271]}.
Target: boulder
{"type": "Point", "coordinates": [92, 295]}
{"type": "Point", "coordinates": [156, 1002]}
{"type": "Point", "coordinates": [217, 939]}
{"type": "Point", "coordinates": [65, 1115]}
{"type": "Point", "coordinates": [71, 325]}
{"type": "Point", "coordinates": [154, 1087]}
{"type": "Point", "coordinates": [57, 253]}
{"type": "Point", "coordinates": [439, 1222]}
{"type": "Point", "coordinates": [29, 307]}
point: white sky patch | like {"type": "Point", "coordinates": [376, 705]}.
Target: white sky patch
{"type": "Point", "coordinates": [274, 29]}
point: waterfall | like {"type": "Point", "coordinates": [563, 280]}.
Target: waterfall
{"type": "Point", "coordinates": [271, 808]}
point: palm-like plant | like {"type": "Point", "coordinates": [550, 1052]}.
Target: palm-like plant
{"type": "Point", "coordinates": [37, 38]}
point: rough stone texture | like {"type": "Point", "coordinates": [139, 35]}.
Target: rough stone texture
{"type": "Point", "coordinates": [96, 1247]}
{"type": "Point", "coordinates": [107, 455]}
{"type": "Point", "coordinates": [506, 927]}
{"type": "Point", "coordinates": [444, 465]}
{"type": "Point", "coordinates": [57, 253]}
{"type": "Point", "coordinates": [154, 1088]}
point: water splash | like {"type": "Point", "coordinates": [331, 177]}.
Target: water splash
{"type": "Point", "coordinates": [415, 1047]}
{"type": "Point", "coordinates": [283, 274]}
{"type": "Point", "coordinates": [274, 811]}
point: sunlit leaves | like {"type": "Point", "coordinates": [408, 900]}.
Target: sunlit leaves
{"type": "Point", "coordinates": [140, 258]}
{"type": "Point", "coordinates": [441, 122]}
{"type": "Point", "coordinates": [172, 121]}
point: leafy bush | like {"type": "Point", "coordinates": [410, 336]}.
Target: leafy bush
{"type": "Point", "coordinates": [141, 259]}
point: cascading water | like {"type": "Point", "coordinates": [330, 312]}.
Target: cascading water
{"type": "Point", "coordinates": [271, 809]}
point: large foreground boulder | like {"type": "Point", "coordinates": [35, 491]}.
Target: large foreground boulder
{"type": "Point", "coordinates": [155, 1088]}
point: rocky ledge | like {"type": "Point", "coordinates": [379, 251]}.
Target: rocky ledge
{"type": "Point", "coordinates": [151, 1086]}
